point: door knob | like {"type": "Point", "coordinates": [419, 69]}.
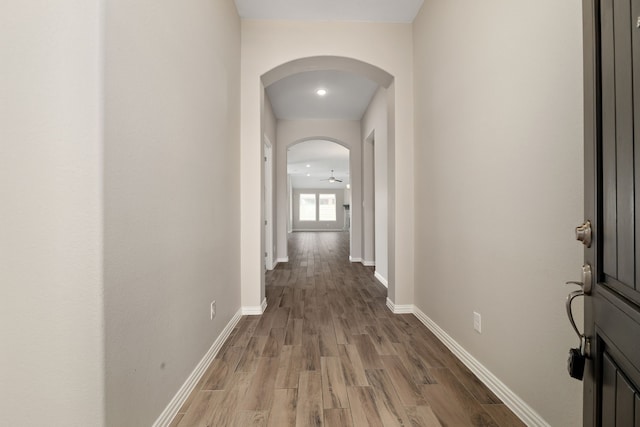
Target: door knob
{"type": "Point", "coordinates": [587, 280]}
{"type": "Point", "coordinates": [583, 233]}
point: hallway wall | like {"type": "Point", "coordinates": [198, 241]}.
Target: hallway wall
{"type": "Point", "coordinates": [51, 356]}
{"type": "Point", "coordinates": [172, 204]}
{"type": "Point", "coordinates": [499, 167]}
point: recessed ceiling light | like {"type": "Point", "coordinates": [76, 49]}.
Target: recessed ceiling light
{"type": "Point", "coordinates": [348, 186]}
{"type": "Point", "coordinates": [321, 92]}
{"type": "Point", "coordinates": [308, 166]}
{"type": "Point", "coordinates": [308, 174]}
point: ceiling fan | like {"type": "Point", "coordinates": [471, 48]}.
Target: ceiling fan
{"type": "Point", "coordinates": [332, 178]}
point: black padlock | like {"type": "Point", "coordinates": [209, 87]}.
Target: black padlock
{"type": "Point", "coordinates": [575, 363]}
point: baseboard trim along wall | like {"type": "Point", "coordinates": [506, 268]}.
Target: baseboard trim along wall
{"type": "Point", "coordinates": [381, 279]}
{"type": "Point", "coordinates": [354, 259]}
{"type": "Point", "coordinates": [369, 263]}
{"type": "Point", "coordinates": [183, 393]}
{"type": "Point", "coordinates": [399, 309]}
{"type": "Point", "coordinates": [278, 261]}
{"type": "Point", "coordinates": [255, 311]}
{"type": "Point", "coordinates": [298, 230]}
{"type": "Point", "coordinates": [519, 407]}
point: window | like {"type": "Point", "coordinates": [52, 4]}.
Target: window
{"type": "Point", "coordinates": [327, 207]}
{"type": "Point", "coordinates": [308, 207]}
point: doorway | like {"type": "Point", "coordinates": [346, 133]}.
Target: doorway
{"type": "Point", "coordinates": [319, 173]}
{"type": "Point", "coordinates": [268, 205]}
{"type": "Point", "coordinates": [369, 201]}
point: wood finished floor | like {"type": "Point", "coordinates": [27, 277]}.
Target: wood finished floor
{"type": "Point", "coordinates": [328, 352]}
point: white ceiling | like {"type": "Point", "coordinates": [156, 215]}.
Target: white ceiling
{"type": "Point", "coordinates": [321, 156]}
{"type": "Point", "coordinates": [348, 96]}
{"type": "Point", "coordinates": [294, 98]}
{"type": "Point", "coordinates": [330, 10]}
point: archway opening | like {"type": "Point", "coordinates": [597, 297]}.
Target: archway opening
{"type": "Point", "coordinates": [354, 133]}
{"type": "Point", "coordinates": [318, 177]}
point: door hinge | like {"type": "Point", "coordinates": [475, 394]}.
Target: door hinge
{"type": "Point", "coordinates": [265, 254]}
{"type": "Point", "coordinates": [265, 222]}
{"type": "Point", "coordinates": [265, 158]}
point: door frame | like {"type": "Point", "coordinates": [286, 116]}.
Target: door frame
{"type": "Point", "coordinates": [268, 203]}
{"type": "Point", "coordinates": [590, 12]}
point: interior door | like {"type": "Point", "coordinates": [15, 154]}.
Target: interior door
{"type": "Point", "coordinates": [612, 190]}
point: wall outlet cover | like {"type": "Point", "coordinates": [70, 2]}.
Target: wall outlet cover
{"type": "Point", "coordinates": [477, 322]}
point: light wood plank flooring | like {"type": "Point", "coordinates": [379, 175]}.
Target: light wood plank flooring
{"type": "Point", "coordinates": [328, 352]}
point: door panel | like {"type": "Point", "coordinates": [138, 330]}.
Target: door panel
{"type": "Point", "coordinates": [619, 397]}
{"type": "Point", "coordinates": [625, 396]}
{"type": "Point", "coordinates": [617, 145]}
{"type": "Point", "coordinates": [612, 190]}
{"type": "Point", "coordinates": [623, 142]}
{"type": "Point", "coordinates": [608, 392]}
{"type": "Point", "coordinates": [609, 208]}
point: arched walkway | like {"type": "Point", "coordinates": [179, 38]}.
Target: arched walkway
{"type": "Point", "coordinates": [265, 69]}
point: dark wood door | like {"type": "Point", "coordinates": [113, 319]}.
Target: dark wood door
{"type": "Point", "coordinates": [612, 191]}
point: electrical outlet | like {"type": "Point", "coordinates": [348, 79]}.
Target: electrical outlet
{"type": "Point", "coordinates": [213, 309]}
{"type": "Point", "coordinates": [477, 322]}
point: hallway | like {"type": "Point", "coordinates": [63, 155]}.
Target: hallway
{"type": "Point", "coordinates": [327, 351]}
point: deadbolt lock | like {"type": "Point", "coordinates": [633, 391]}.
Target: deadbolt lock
{"type": "Point", "coordinates": [583, 233]}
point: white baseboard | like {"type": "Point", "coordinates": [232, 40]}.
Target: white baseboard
{"type": "Point", "coordinates": [276, 262]}
{"type": "Point", "coordinates": [519, 407]}
{"type": "Point", "coordinates": [381, 279]}
{"type": "Point", "coordinates": [314, 230]}
{"type": "Point", "coordinates": [354, 259]}
{"type": "Point", "coordinates": [183, 393]}
{"type": "Point", "coordinates": [399, 309]}
{"type": "Point", "coordinates": [390, 305]}
{"type": "Point", "coordinates": [255, 311]}
{"type": "Point", "coordinates": [368, 263]}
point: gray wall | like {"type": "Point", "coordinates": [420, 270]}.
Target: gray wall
{"type": "Point", "coordinates": [498, 156]}
{"type": "Point", "coordinates": [172, 184]}
{"type": "Point", "coordinates": [318, 225]}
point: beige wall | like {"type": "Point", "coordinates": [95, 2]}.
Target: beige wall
{"type": "Point", "coordinates": [172, 203]}
{"type": "Point", "coordinates": [499, 186]}
{"type": "Point", "coordinates": [51, 356]}
{"type": "Point", "coordinates": [266, 45]}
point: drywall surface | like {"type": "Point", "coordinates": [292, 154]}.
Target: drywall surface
{"type": "Point", "coordinates": [51, 361]}
{"type": "Point", "coordinates": [345, 132]}
{"type": "Point", "coordinates": [269, 44]}
{"type": "Point", "coordinates": [499, 167]}
{"type": "Point", "coordinates": [374, 124]}
{"type": "Point", "coordinates": [172, 203]}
